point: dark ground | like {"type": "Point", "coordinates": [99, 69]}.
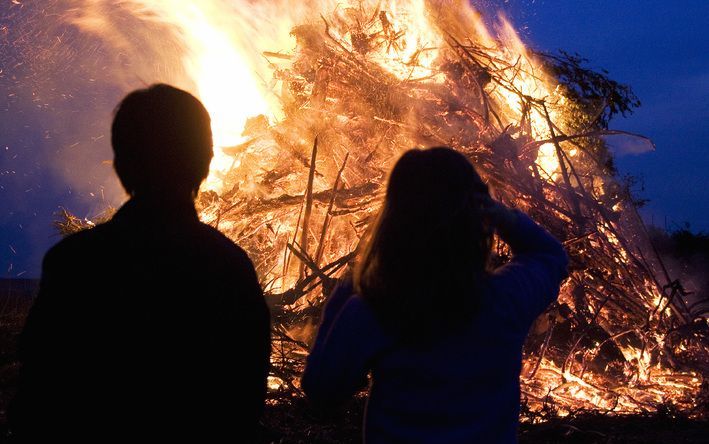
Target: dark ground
{"type": "Point", "coordinates": [291, 420]}
{"type": "Point", "coordinates": [296, 423]}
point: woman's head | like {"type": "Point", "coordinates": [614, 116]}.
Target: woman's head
{"type": "Point", "coordinates": [428, 250]}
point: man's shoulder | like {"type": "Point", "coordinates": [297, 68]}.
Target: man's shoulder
{"type": "Point", "coordinates": [216, 240]}
{"type": "Point", "coordinates": [229, 264]}
{"type": "Point", "coordinates": [80, 243]}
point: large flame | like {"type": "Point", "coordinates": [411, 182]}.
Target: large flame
{"type": "Point", "coordinates": [223, 44]}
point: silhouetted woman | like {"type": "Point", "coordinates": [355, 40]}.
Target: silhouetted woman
{"type": "Point", "coordinates": [440, 333]}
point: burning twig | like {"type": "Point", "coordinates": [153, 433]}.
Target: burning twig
{"type": "Point", "coordinates": [308, 206]}
{"type": "Point", "coordinates": [328, 214]}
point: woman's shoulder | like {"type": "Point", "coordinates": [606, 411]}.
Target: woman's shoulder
{"type": "Point", "coordinates": [347, 314]}
{"type": "Point", "coordinates": [344, 297]}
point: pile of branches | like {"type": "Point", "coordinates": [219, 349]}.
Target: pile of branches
{"type": "Point", "coordinates": [307, 187]}
{"type": "Point", "coordinates": [303, 191]}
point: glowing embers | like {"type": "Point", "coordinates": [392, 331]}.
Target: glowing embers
{"type": "Point", "coordinates": [567, 391]}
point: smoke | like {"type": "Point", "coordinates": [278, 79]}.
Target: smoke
{"type": "Point", "coordinates": [60, 87]}
{"type": "Point", "coordinates": [66, 66]}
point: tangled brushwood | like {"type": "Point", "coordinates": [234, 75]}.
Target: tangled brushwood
{"type": "Point", "coordinates": [358, 91]}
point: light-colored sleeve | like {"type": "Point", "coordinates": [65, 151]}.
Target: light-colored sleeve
{"type": "Point", "coordinates": [531, 280]}
{"type": "Point", "coordinates": [348, 340]}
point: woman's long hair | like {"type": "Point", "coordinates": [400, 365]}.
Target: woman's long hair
{"type": "Point", "coordinates": [426, 257]}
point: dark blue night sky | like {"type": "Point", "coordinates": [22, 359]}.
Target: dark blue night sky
{"type": "Point", "coordinates": [53, 155]}
{"type": "Point", "coordinates": [661, 49]}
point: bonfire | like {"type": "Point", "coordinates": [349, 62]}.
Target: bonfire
{"type": "Point", "coordinates": [300, 174]}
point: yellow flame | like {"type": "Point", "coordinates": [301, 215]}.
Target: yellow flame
{"type": "Point", "coordinates": [225, 83]}
{"type": "Point", "coordinates": [547, 160]}
{"type": "Point", "coordinates": [224, 41]}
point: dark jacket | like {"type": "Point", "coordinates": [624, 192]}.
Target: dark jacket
{"type": "Point", "coordinates": [150, 325]}
{"type": "Point", "coordinates": [462, 389]}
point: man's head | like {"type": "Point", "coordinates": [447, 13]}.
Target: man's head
{"type": "Point", "coordinates": [162, 142]}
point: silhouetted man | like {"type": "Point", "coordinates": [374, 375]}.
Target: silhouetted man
{"type": "Point", "coordinates": [152, 325]}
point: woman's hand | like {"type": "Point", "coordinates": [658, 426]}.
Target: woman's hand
{"type": "Point", "coordinates": [497, 214]}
